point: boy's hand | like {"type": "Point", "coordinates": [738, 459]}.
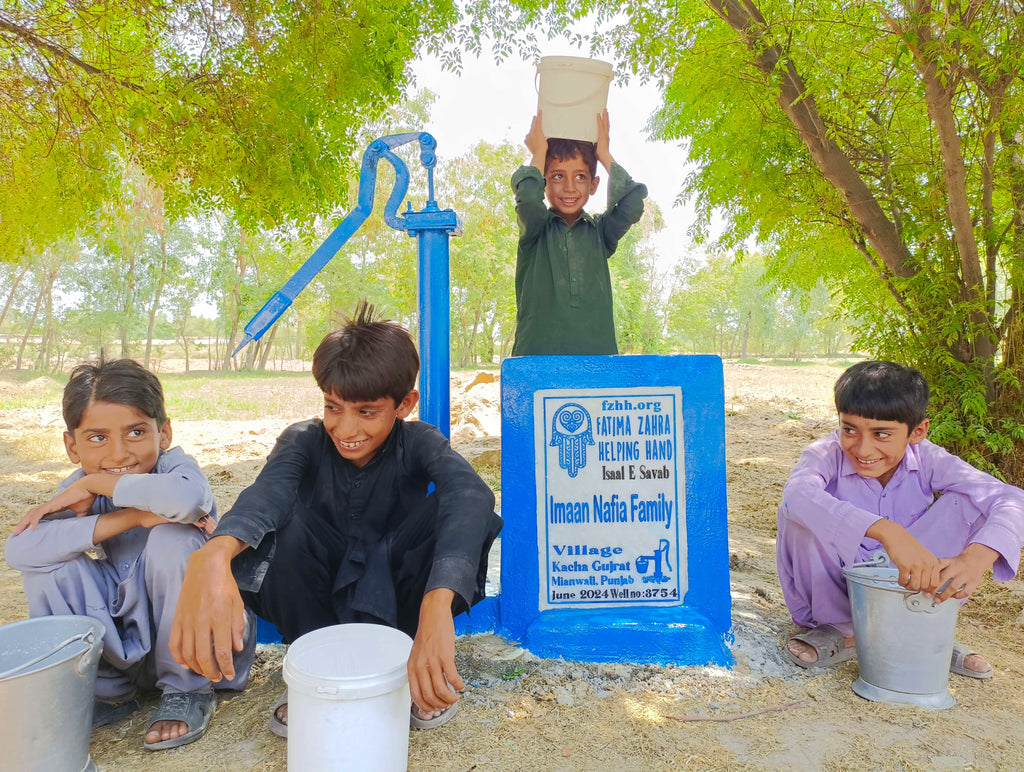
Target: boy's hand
{"type": "Point", "coordinates": [433, 679]}
{"type": "Point", "coordinates": [206, 524]}
{"type": "Point", "coordinates": [77, 497]}
{"type": "Point", "coordinates": [604, 155]}
{"type": "Point", "coordinates": [209, 622]}
{"type": "Point", "coordinates": [919, 568]}
{"type": "Point", "coordinates": [537, 143]}
{"type": "Point", "coordinates": [965, 571]}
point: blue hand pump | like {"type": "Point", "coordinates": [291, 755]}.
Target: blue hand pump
{"type": "Point", "coordinates": [433, 227]}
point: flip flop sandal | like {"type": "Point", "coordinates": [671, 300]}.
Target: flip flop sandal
{"type": "Point", "coordinates": [956, 663]}
{"type": "Point", "coordinates": [443, 717]}
{"type": "Point", "coordinates": [829, 644]}
{"type": "Point", "coordinates": [192, 708]}
{"type": "Point", "coordinates": [277, 726]}
{"type": "Point", "coordinates": [105, 712]}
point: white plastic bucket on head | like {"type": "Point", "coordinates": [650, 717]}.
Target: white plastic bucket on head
{"type": "Point", "coordinates": [47, 683]}
{"type": "Point", "coordinates": [904, 641]}
{"type": "Point", "coordinates": [572, 92]}
{"type": "Point", "coordinates": [348, 699]}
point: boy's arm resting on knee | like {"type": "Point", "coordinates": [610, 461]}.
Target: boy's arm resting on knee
{"type": "Point", "coordinates": [431, 664]}
{"type": "Point", "coordinates": [209, 622]}
{"type": "Point", "coordinates": [919, 568]}
{"type": "Point", "coordinates": [121, 520]}
{"type": "Point", "coordinates": [177, 490]}
{"type": "Point", "coordinates": [51, 544]}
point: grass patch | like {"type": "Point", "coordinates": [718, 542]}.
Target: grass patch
{"type": "Point", "coordinates": [490, 475]}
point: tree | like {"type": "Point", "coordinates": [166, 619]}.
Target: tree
{"type": "Point", "coordinates": [483, 258]}
{"type": "Point", "coordinates": [252, 106]}
{"type": "Point", "coordinates": [876, 146]}
{"type": "Point", "coordinates": [638, 289]}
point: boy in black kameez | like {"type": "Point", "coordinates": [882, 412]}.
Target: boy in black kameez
{"type": "Point", "coordinates": [342, 529]}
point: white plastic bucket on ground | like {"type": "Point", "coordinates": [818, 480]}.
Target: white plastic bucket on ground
{"type": "Point", "coordinates": [904, 642]}
{"type": "Point", "coordinates": [572, 92]}
{"type": "Point", "coordinates": [348, 699]}
{"type": "Point", "coordinates": [47, 683]}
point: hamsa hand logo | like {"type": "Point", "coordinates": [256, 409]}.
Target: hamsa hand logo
{"type": "Point", "coordinates": [571, 431]}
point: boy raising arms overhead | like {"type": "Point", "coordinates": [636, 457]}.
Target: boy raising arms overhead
{"type": "Point", "coordinates": [563, 287]}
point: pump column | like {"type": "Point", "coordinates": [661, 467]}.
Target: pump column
{"type": "Point", "coordinates": [433, 226]}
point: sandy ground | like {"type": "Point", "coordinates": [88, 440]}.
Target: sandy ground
{"type": "Point", "coordinates": [523, 713]}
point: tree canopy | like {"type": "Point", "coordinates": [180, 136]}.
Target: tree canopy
{"type": "Point", "coordinates": [252, 106]}
{"type": "Point", "coordinates": [877, 146]}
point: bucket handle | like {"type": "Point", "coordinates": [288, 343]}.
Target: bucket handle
{"type": "Point", "coordinates": [88, 637]}
{"type": "Point", "coordinates": [879, 560]}
{"type": "Point", "coordinates": [571, 102]}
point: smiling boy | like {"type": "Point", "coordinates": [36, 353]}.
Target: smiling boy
{"type": "Point", "coordinates": [563, 286]}
{"type": "Point", "coordinates": [873, 485]}
{"type": "Point", "coordinates": [340, 526]}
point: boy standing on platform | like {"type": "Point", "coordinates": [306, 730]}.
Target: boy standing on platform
{"type": "Point", "coordinates": [878, 484]}
{"type": "Point", "coordinates": [563, 287]}
{"type": "Point", "coordinates": [341, 526]}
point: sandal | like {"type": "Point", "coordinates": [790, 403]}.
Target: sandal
{"type": "Point", "coordinates": [956, 663]}
{"type": "Point", "coordinates": [277, 726]}
{"type": "Point", "coordinates": [106, 712]}
{"type": "Point", "coordinates": [434, 720]}
{"type": "Point", "coordinates": [828, 643]}
{"type": "Point", "coordinates": [192, 708]}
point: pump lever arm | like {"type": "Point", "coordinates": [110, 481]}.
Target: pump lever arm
{"type": "Point", "coordinates": [379, 148]}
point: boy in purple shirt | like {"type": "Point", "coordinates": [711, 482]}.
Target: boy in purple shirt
{"type": "Point", "coordinates": [872, 486]}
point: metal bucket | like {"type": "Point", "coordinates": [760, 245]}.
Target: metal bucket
{"type": "Point", "coordinates": [47, 681]}
{"type": "Point", "coordinates": [904, 641]}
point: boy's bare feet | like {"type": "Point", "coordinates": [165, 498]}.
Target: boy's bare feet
{"type": "Point", "coordinates": [166, 730]}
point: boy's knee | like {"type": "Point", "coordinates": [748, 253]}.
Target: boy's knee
{"type": "Point", "coordinates": [169, 547]}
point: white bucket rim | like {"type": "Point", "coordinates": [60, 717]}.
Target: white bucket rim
{"type": "Point", "coordinates": [331, 687]}
{"type": "Point", "coordinates": [576, 63]}
{"type": "Point", "coordinates": [84, 625]}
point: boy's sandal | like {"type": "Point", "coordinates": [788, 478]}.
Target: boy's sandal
{"type": "Point", "coordinates": [192, 708]}
{"type": "Point", "coordinates": [956, 663]}
{"type": "Point", "coordinates": [828, 643]}
{"type": "Point", "coordinates": [106, 712]}
{"type": "Point", "coordinates": [431, 721]}
{"type": "Point", "coordinates": [277, 726]}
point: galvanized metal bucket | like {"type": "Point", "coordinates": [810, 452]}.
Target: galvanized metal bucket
{"type": "Point", "coordinates": [904, 640]}
{"type": "Point", "coordinates": [47, 682]}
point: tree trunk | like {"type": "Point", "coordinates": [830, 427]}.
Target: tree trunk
{"type": "Point", "coordinates": [156, 297]}
{"type": "Point", "coordinates": [262, 364]}
{"type": "Point", "coordinates": [802, 111]}
{"type": "Point", "coordinates": [746, 336]}
{"type": "Point", "coordinates": [43, 360]}
{"type": "Point", "coordinates": [127, 306]}
{"type": "Point", "coordinates": [28, 330]}
{"type": "Point", "coordinates": [236, 299]}
{"type": "Point", "coordinates": [10, 295]}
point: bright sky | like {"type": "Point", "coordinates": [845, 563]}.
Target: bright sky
{"type": "Point", "coordinates": [495, 103]}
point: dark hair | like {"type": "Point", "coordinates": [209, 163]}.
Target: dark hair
{"type": "Point", "coordinates": [564, 149]}
{"type": "Point", "coordinates": [366, 360]}
{"type": "Point", "coordinates": [884, 391]}
{"type": "Point", "coordinates": [120, 382]}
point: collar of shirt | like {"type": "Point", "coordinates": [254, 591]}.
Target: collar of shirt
{"type": "Point", "coordinates": [584, 217]}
